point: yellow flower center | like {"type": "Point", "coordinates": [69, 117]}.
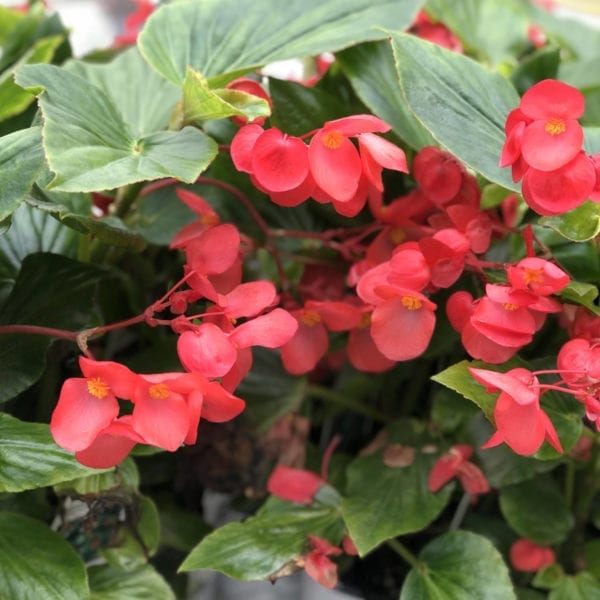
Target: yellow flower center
{"type": "Point", "coordinates": [509, 306]}
{"type": "Point", "coordinates": [555, 126]}
{"type": "Point", "coordinates": [311, 317]}
{"type": "Point", "coordinates": [210, 220]}
{"type": "Point", "coordinates": [365, 321]}
{"type": "Point", "coordinates": [97, 387]}
{"type": "Point", "coordinates": [533, 275]}
{"type": "Point", "coordinates": [333, 139]}
{"type": "Point", "coordinates": [159, 391]}
{"type": "Point", "coordinates": [411, 302]}
{"type": "Point", "coordinates": [397, 235]}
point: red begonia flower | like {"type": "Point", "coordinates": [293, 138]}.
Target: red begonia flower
{"type": "Point", "coordinates": [337, 316]}
{"type": "Point", "coordinates": [554, 137]}
{"type": "Point", "coordinates": [377, 153]}
{"type": "Point", "coordinates": [294, 485]}
{"type": "Point", "coordinates": [455, 463]}
{"type": "Point", "coordinates": [528, 556]}
{"type": "Point", "coordinates": [134, 22]}
{"type": "Point", "coordinates": [562, 189]}
{"type": "Point", "coordinates": [537, 275]}
{"type": "Point", "coordinates": [247, 299]}
{"type": "Point", "coordinates": [111, 446]}
{"type": "Point", "coordinates": [402, 326]}
{"type": "Point", "coordinates": [445, 254]}
{"type": "Point", "coordinates": [579, 363]}
{"type": "Point", "coordinates": [269, 331]}
{"type": "Point", "coordinates": [214, 251]}
{"type": "Point", "coordinates": [160, 415]}
{"type": "Point", "coordinates": [207, 218]}
{"type": "Point", "coordinates": [88, 405]}
{"type": "Point", "coordinates": [362, 351]}
{"type": "Point", "coordinates": [279, 161]}
{"type": "Point", "coordinates": [317, 564]}
{"type": "Point", "coordinates": [242, 144]}
{"type": "Point", "coordinates": [438, 173]}
{"type": "Point", "coordinates": [308, 345]}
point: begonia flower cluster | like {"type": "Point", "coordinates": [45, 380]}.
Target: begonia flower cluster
{"type": "Point", "coordinates": [544, 148]}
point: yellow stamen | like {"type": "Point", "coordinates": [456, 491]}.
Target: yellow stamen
{"type": "Point", "coordinates": [365, 321]}
{"type": "Point", "coordinates": [311, 317]}
{"type": "Point", "coordinates": [411, 302]}
{"type": "Point", "coordinates": [509, 306]}
{"type": "Point", "coordinates": [555, 126]}
{"type": "Point", "coordinates": [159, 391]}
{"type": "Point", "coordinates": [533, 275]}
{"type": "Point", "coordinates": [333, 139]}
{"type": "Point", "coordinates": [210, 220]}
{"type": "Point", "coordinates": [397, 235]}
{"type": "Point", "coordinates": [97, 387]}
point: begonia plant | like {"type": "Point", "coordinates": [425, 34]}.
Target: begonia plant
{"type": "Point", "coordinates": [360, 308]}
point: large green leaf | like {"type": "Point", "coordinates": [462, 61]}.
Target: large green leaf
{"type": "Point", "coordinates": [460, 102]}
{"type": "Point", "coordinates": [536, 509]}
{"type": "Point", "coordinates": [140, 583]}
{"type": "Point", "coordinates": [218, 37]}
{"type": "Point", "coordinates": [103, 125]}
{"type": "Point", "coordinates": [582, 586]}
{"type": "Point", "coordinates": [36, 562]}
{"type": "Point", "coordinates": [372, 73]}
{"type": "Point", "coordinates": [383, 502]}
{"type": "Point", "coordinates": [267, 542]}
{"type": "Point", "coordinates": [459, 566]}
{"type": "Point", "coordinates": [21, 158]}
{"type": "Point", "coordinates": [29, 457]}
{"type": "Point", "coordinates": [495, 31]}
{"type": "Point", "coordinates": [578, 225]}
{"type": "Point", "coordinates": [66, 302]}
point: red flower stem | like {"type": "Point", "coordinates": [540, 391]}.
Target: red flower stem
{"type": "Point", "coordinates": [556, 388]}
{"type": "Point", "coordinates": [38, 330]}
{"type": "Point", "coordinates": [173, 288]}
{"type": "Point", "coordinates": [528, 239]}
{"type": "Point", "coordinates": [157, 185]}
{"type": "Point", "coordinates": [333, 444]}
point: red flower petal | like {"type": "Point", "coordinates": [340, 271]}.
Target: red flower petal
{"type": "Point", "coordinates": [308, 345]}
{"type": "Point", "coordinates": [206, 350]}
{"type": "Point", "coordinates": [550, 98]}
{"type": "Point", "coordinates": [294, 485]}
{"type": "Point", "coordinates": [364, 354]}
{"type": "Point", "coordinates": [248, 299]}
{"type": "Point", "coordinates": [270, 331]}
{"type": "Point", "coordinates": [219, 404]}
{"type": "Point", "coordinates": [355, 124]}
{"type": "Point", "coordinates": [279, 161]}
{"type": "Point", "coordinates": [242, 145]}
{"type": "Point", "coordinates": [85, 407]}
{"type": "Point", "coordinates": [377, 150]}
{"type": "Point", "coordinates": [214, 251]}
{"type": "Point", "coordinates": [546, 151]}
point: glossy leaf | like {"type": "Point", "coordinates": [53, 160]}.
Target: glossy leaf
{"type": "Point", "coordinates": [141, 583]}
{"type": "Point", "coordinates": [223, 38]}
{"type": "Point", "coordinates": [456, 566]}
{"type": "Point", "coordinates": [26, 571]}
{"type": "Point", "coordinates": [21, 158]}
{"type": "Point", "coordinates": [578, 225]}
{"type": "Point", "coordinates": [371, 70]}
{"type": "Point", "coordinates": [460, 102]}
{"type": "Point", "coordinates": [264, 544]}
{"type": "Point", "coordinates": [583, 586]}
{"type": "Point", "coordinates": [29, 457]}
{"type": "Point", "coordinates": [117, 141]}
{"type": "Point", "coordinates": [382, 502]}
{"type": "Point", "coordinates": [536, 510]}
{"type": "Point", "coordinates": [66, 303]}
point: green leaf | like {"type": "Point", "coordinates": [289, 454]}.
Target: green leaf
{"type": "Point", "coordinates": [97, 139]}
{"type": "Point", "coordinates": [496, 31]}
{"type": "Point", "coordinates": [264, 544]}
{"type": "Point", "coordinates": [382, 502]}
{"type": "Point", "coordinates": [548, 577]}
{"type": "Point", "coordinates": [140, 583]}
{"type": "Point", "coordinates": [224, 38]}
{"type": "Point", "coordinates": [200, 103]}
{"type": "Point", "coordinates": [492, 195]}
{"type": "Point", "coordinates": [181, 529]}
{"type": "Point", "coordinates": [36, 562]}
{"type": "Point", "coordinates": [9, 19]}
{"type": "Point", "coordinates": [29, 457]}
{"type": "Point", "coordinates": [536, 509]}
{"type": "Point", "coordinates": [542, 64]}
{"type": "Point", "coordinates": [578, 292]}
{"type": "Point", "coordinates": [298, 109]}
{"type": "Point", "coordinates": [458, 378]}
{"type": "Point", "coordinates": [592, 557]}
{"type": "Point", "coordinates": [578, 225]}
{"type": "Point", "coordinates": [66, 303]}
{"type": "Point", "coordinates": [582, 586]}
{"type": "Point", "coordinates": [458, 566]}
{"type": "Point", "coordinates": [462, 104]}
{"type": "Point", "coordinates": [372, 73]}
{"type": "Point", "coordinates": [21, 158]}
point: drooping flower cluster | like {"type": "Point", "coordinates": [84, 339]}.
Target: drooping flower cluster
{"type": "Point", "coordinates": [544, 147]}
{"type": "Point", "coordinates": [330, 169]}
{"type": "Point", "coordinates": [215, 353]}
{"type": "Point", "coordinates": [493, 328]}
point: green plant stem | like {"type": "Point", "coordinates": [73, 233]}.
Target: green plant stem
{"type": "Point", "coordinates": [404, 552]}
{"type": "Point", "coordinates": [461, 511]}
{"type": "Point", "coordinates": [332, 396]}
{"type": "Point", "coordinates": [126, 197]}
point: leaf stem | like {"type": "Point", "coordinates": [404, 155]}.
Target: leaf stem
{"type": "Point", "coordinates": [404, 552]}
{"type": "Point", "coordinates": [461, 511]}
{"type": "Point", "coordinates": [336, 398]}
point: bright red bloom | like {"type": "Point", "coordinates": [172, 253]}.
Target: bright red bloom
{"type": "Point", "coordinates": [456, 463]}
{"type": "Point", "coordinates": [553, 137]}
{"type": "Point", "coordinates": [438, 173]}
{"type": "Point", "coordinates": [537, 275]}
{"type": "Point", "coordinates": [528, 556]}
{"type": "Point", "coordinates": [294, 485]}
{"type": "Point", "coordinates": [520, 421]}
{"type": "Point", "coordinates": [579, 364]}
{"type": "Point", "coordinates": [562, 189]}
{"type": "Point", "coordinates": [207, 218]}
{"type": "Point", "coordinates": [317, 564]}
{"type": "Point", "coordinates": [86, 406]}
